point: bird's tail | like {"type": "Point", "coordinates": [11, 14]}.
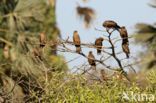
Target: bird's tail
{"type": "Point", "coordinates": [78, 49]}
{"type": "Point", "coordinates": [127, 55]}
{"type": "Point", "coordinates": [98, 51]}
{"type": "Point", "coordinates": [93, 66]}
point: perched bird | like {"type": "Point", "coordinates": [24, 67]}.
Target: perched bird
{"type": "Point", "coordinates": [91, 59]}
{"type": "Point", "coordinates": [42, 39]}
{"type": "Point", "coordinates": [124, 34]}
{"type": "Point", "coordinates": [109, 24]}
{"type": "Point", "coordinates": [125, 48]}
{"type": "Point", "coordinates": [98, 44]}
{"type": "Point", "coordinates": [103, 75]}
{"type": "Point", "coordinates": [77, 41]}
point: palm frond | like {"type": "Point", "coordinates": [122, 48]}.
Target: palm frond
{"type": "Point", "coordinates": [153, 4]}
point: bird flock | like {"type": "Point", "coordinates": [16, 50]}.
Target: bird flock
{"type": "Point", "coordinates": [108, 24]}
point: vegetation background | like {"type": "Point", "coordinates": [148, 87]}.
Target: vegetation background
{"type": "Point", "coordinates": [24, 78]}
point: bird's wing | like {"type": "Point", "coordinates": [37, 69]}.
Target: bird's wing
{"type": "Point", "coordinates": [126, 48]}
{"type": "Point", "coordinates": [96, 42]}
{"type": "Point", "coordinates": [76, 39]}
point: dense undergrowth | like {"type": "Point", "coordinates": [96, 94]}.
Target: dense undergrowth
{"type": "Point", "coordinates": [77, 89]}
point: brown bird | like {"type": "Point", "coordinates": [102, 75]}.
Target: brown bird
{"type": "Point", "coordinates": [103, 75]}
{"type": "Point", "coordinates": [87, 14]}
{"type": "Point", "coordinates": [77, 41]}
{"type": "Point", "coordinates": [125, 48]}
{"type": "Point", "coordinates": [98, 44]}
{"type": "Point", "coordinates": [124, 34]}
{"type": "Point", "coordinates": [42, 39]}
{"type": "Point", "coordinates": [91, 59]}
{"type": "Point", "coordinates": [109, 24]}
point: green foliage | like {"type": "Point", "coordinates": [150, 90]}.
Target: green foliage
{"type": "Point", "coordinates": [21, 22]}
{"type": "Point", "coordinates": [145, 35]}
{"type": "Point", "coordinates": [77, 89]}
{"type": "Point", "coordinates": [58, 63]}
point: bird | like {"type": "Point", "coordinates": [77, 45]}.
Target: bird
{"type": "Point", "coordinates": [103, 75]}
{"type": "Point", "coordinates": [123, 34]}
{"type": "Point", "coordinates": [98, 44]}
{"type": "Point", "coordinates": [77, 41]}
{"type": "Point", "coordinates": [110, 24]}
{"type": "Point", "coordinates": [91, 59]}
{"type": "Point", "coordinates": [125, 48]}
{"type": "Point", "coordinates": [42, 39]}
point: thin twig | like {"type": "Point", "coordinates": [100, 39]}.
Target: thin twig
{"type": "Point", "coordinates": [116, 58]}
